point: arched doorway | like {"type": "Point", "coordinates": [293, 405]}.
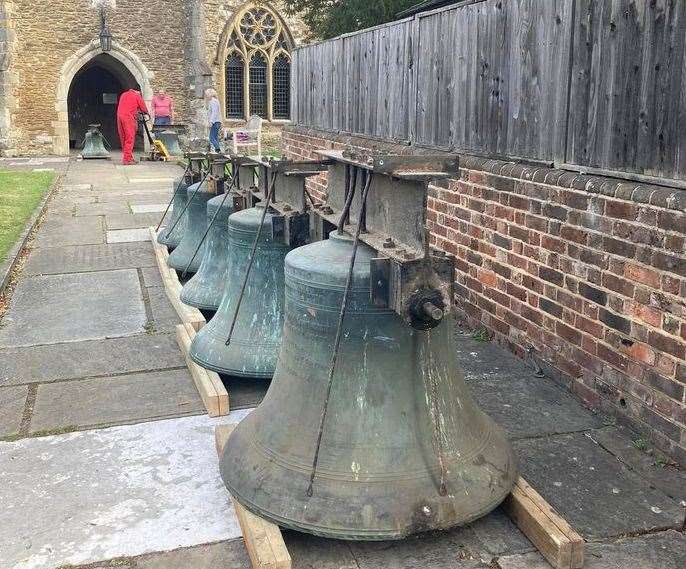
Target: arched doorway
{"type": "Point", "coordinates": [93, 96]}
{"type": "Point", "coordinates": [122, 63]}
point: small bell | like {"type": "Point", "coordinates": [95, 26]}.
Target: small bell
{"type": "Point", "coordinates": [196, 223]}
{"type": "Point", "coordinates": [94, 144]}
{"type": "Point", "coordinates": [172, 238]}
{"type": "Point", "coordinates": [206, 288]}
{"type": "Point", "coordinates": [255, 343]}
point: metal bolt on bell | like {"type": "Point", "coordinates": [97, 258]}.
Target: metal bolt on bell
{"type": "Point", "coordinates": [196, 223]}
{"type": "Point", "coordinates": [206, 288]}
{"type": "Point", "coordinates": [383, 469]}
{"type": "Point", "coordinates": [172, 238]}
{"type": "Point", "coordinates": [257, 335]}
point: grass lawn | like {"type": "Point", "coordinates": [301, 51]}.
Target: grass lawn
{"type": "Point", "coordinates": [20, 193]}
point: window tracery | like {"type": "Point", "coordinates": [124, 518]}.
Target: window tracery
{"type": "Point", "coordinates": [257, 65]}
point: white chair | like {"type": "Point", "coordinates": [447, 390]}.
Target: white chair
{"type": "Point", "coordinates": [249, 135]}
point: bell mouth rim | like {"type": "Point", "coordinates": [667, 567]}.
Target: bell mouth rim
{"type": "Point", "coordinates": [360, 535]}
{"type": "Point", "coordinates": [232, 372]}
{"type": "Point", "coordinates": [198, 305]}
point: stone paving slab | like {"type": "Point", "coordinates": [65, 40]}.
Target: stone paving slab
{"type": "Point", "coordinates": [622, 443]}
{"type": "Point", "coordinates": [148, 208]}
{"type": "Point", "coordinates": [165, 318]}
{"type": "Point", "coordinates": [152, 180]}
{"type": "Point", "coordinates": [83, 210]}
{"type": "Point", "coordinates": [598, 495]}
{"type": "Point", "coordinates": [41, 364]}
{"type": "Point", "coordinates": [90, 258]}
{"type": "Point", "coordinates": [90, 496]}
{"type": "Point", "coordinates": [132, 221]}
{"type": "Point", "coordinates": [225, 555]}
{"type": "Point", "coordinates": [73, 307]}
{"type": "Point", "coordinates": [12, 402]}
{"type": "Point", "coordinates": [435, 551]}
{"type": "Point", "coordinates": [245, 392]}
{"type": "Point", "coordinates": [76, 187]}
{"type": "Point", "coordinates": [152, 277]}
{"type": "Point", "coordinates": [128, 235]}
{"type": "Point", "coordinates": [665, 550]}
{"type": "Point", "coordinates": [115, 400]}
{"type": "Point", "coordinates": [530, 406]}
{"type": "Point", "coordinates": [482, 361]}
{"type": "Point", "coordinates": [65, 230]}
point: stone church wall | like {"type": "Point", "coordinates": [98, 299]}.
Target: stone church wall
{"type": "Point", "coordinates": [164, 37]}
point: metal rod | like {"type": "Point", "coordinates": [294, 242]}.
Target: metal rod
{"type": "Point", "coordinates": [350, 194]}
{"type": "Point", "coordinates": [337, 341]}
{"type": "Point", "coordinates": [209, 225]}
{"type": "Point", "coordinates": [270, 191]}
{"type": "Point", "coordinates": [173, 195]}
{"type": "Point", "coordinates": [188, 201]}
{"type": "Point", "coordinates": [363, 211]}
{"type": "Point", "coordinates": [309, 197]}
{"type": "Point", "coordinates": [432, 394]}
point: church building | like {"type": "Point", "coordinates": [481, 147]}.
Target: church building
{"type": "Point", "coordinates": [63, 64]}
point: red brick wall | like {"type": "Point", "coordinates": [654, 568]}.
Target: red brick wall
{"type": "Point", "coordinates": [590, 271]}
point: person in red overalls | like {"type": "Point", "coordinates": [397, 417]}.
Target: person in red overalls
{"type": "Point", "coordinates": [130, 102]}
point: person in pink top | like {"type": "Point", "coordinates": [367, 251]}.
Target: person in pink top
{"type": "Point", "coordinates": [162, 108]}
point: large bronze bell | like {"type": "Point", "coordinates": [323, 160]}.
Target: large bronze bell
{"type": "Point", "coordinates": [383, 470]}
{"type": "Point", "coordinates": [171, 233]}
{"type": "Point", "coordinates": [255, 343]}
{"type": "Point", "coordinates": [186, 257]}
{"type": "Point", "coordinates": [206, 288]}
{"type": "Point", "coordinates": [94, 144]}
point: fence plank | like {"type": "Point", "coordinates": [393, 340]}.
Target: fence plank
{"type": "Point", "coordinates": [597, 84]}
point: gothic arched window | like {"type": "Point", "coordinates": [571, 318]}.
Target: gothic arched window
{"type": "Point", "coordinates": [257, 78]}
{"type": "Point", "coordinates": [258, 85]}
{"type": "Point", "coordinates": [235, 86]}
{"type": "Point", "coordinates": [281, 84]}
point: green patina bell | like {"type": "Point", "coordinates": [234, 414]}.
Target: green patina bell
{"type": "Point", "coordinates": [172, 232]}
{"type": "Point", "coordinates": [94, 144]}
{"type": "Point", "coordinates": [383, 472]}
{"type": "Point", "coordinates": [257, 336]}
{"type": "Point", "coordinates": [206, 288]}
{"type": "Point", "coordinates": [170, 139]}
{"type": "Point", "coordinates": [196, 223]}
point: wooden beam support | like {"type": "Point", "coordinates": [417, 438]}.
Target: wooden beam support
{"type": "Point", "coordinates": [172, 286]}
{"type": "Point", "coordinates": [554, 538]}
{"type": "Point", "coordinates": [210, 387]}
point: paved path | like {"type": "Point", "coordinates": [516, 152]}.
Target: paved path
{"type": "Point", "coordinates": [107, 452]}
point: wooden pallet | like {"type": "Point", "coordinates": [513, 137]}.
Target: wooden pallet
{"type": "Point", "coordinates": [172, 286]}
{"type": "Point", "coordinates": [546, 529]}
{"type": "Point", "coordinates": [210, 387]}
{"type": "Point", "coordinates": [263, 539]}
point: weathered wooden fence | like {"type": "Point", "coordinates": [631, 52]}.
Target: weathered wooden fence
{"type": "Point", "coordinates": [591, 83]}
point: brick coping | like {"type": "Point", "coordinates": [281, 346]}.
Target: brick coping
{"type": "Point", "coordinates": [658, 196]}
